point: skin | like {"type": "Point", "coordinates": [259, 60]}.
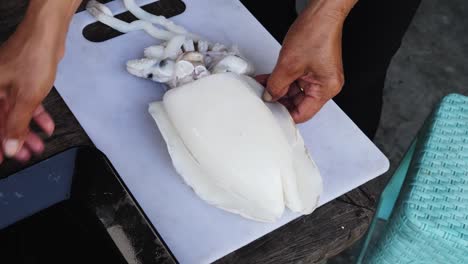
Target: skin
{"type": "Point", "coordinates": [28, 63]}
{"type": "Point", "coordinates": [309, 71]}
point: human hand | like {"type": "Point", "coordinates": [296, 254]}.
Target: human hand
{"type": "Point", "coordinates": [309, 71]}
{"type": "Point", "coordinates": [28, 64]}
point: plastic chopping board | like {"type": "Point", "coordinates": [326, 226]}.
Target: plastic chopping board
{"type": "Point", "coordinates": [111, 105]}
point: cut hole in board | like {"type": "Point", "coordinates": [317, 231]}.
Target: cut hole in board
{"type": "Point", "coordinates": [98, 32]}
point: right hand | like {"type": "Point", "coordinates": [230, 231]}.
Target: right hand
{"type": "Point", "coordinates": [309, 71]}
{"type": "Point", "coordinates": [28, 64]}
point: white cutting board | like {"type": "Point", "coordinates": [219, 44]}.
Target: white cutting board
{"type": "Point", "coordinates": [111, 105]}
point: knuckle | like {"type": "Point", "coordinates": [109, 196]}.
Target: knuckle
{"type": "Point", "coordinates": [336, 83]}
{"type": "Point", "coordinates": [276, 91]}
{"type": "Point", "coordinates": [341, 79]}
{"type": "Point", "coordinates": [28, 102]}
{"type": "Point", "coordinates": [29, 97]}
{"type": "Point", "coordinates": [17, 128]}
{"type": "Point", "coordinates": [289, 65]}
{"type": "Point", "coordinates": [303, 117]}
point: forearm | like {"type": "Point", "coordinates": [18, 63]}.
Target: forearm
{"type": "Point", "coordinates": [320, 23]}
{"type": "Point", "coordinates": [333, 9]}
{"type": "Point", "coordinates": [46, 22]}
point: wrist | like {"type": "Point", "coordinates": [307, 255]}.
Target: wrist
{"type": "Point", "coordinates": [333, 10]}
{"type": "Point", "coordinates": [46, 24]}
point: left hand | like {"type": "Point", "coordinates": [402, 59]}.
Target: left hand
{"type": "Point", "coordinates": [309, 71]}
{"type": "Point", "coordinates": [28, 64]}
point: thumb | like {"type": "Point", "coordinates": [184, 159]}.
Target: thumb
{"type": "Point", "coordinates": [17, 127]}
{"type": "Point", "coordinates": [280, 79]}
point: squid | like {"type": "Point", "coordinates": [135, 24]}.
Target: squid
{"type": "Point", "coordinates": [234, 150]}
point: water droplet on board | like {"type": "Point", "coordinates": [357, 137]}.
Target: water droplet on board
{"type": "Point", "coordinates": [53, 177]}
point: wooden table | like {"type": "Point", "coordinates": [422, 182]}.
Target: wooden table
{"type": "Point", "coordinates": [328, 231]}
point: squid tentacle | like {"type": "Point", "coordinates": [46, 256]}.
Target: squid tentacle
{"type": "Point", "coordinates": [181, 58]}
{"type": "Point", "coordinates": [103, 14]}
{"type": "Point", "coordinates": [141, 14]}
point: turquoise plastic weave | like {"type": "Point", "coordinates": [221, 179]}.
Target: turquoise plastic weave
{"type": "Point", "coordinates": [429, 223]}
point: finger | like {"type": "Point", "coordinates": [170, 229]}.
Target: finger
{"type": "Point", "coordinates": [298, 99]}
{"type": "Point", "coordinates": [11, 146]}
{"type": "Point", "coordinates": [287, 103]}
{"type": "Point", "coordinates": [5, 80]}
{"type": "Point", "coordinates": [325, 90]}
{"type": "Point", "coordinates": [3, 93]}
{"type": "Point", "coordinates": [295, 89]}
{"type": "Point", "coordinates": [44, 120]}
{"type": "Point", "coordinates": [23, 155]}
{"type": "Point", "coordinates": [17, 127]}
{"type": "Point", "coordinates": [306, 109]}
{"type": "Point", "coordinates": [281, 78]}
{"type": "Point", "coordinates": [34, 143]}
{"type": "Point", "coordinates": [262, 79]}
{"type": "Point", "coordinates": [313, 89]}
{"type": "Point", "coordinates": [4, 103]}
{"type": "Point", "coordinates": [3, 116]}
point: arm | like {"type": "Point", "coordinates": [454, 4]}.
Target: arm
{"type": "Point", "coordinates": [28, 64]}
{"type": "Point", "coordinates": [309, 71]}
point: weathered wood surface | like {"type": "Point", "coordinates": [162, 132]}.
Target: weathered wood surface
{"type": "Point", "coordinates": [329, 230]}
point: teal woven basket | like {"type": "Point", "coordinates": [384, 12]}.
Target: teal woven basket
{"type": "Point", "coordinates": [429, 223]}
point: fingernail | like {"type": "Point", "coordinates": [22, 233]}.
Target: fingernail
{"type": "Point", "coordinates": [267, 96]}
{"type": "Point", "coordinates": [50, 129]}
{"type": "Point", "coordinates": [11, 147]}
